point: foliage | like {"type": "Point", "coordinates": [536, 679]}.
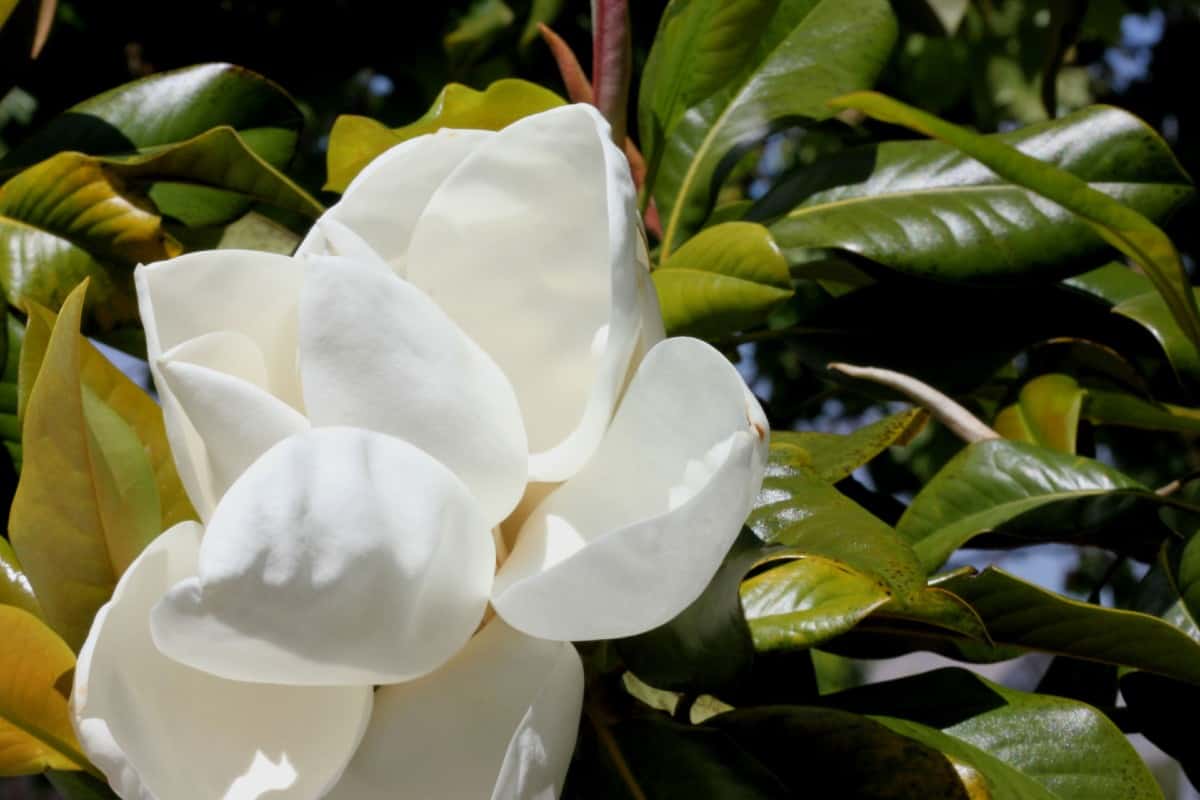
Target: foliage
{"type": "Point", "coordinates": [1025, 275]}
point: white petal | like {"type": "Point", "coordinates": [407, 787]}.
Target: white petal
{"type": "Point", "coordinates": [383, 201]}
{"type": "Point", "coordinates": [342, 556]}
{"type": "Point", "coordinates": [158, 729]}
{"type": "Point", "coordinates": [499, 721]}
{"type": "Point", "coordinates": [249, 299]}
{"type": "Point", "coordinates": [530, 246]}
{"type": "Point", "coordinates": [235, 420]}
{"type": "Point", "coordinates": [635, 537]}
{"type": "Point", "coordinates": [376, 353]}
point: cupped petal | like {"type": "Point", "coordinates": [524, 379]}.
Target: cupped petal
{"type": "Point", "coordinates": [499, 720]}
{"type": "Point", "coordinates": [530, 246]}
{"type": "Point", "coordinates": [376, 353]}
{"type": "Point", "coordinates": [160, 730]}
{"type": "Point", "coordinates": [227, 308]}
{"type": "Point", "coordinates": [341, 556]}
{"type": "Point", "coordinates": [381, 205]}
{"type": "Point", "coordinates": [633, 539]}
{"type": "Point", "coordinates": [235, 420]}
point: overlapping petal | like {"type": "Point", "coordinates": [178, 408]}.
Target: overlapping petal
{"type": "Point", "coordinates": [230, 310]}
{"type": "Point", "coordinates": [162, 731]}
{"type": "Point", "coordinates": [376, 353]}
{"type": "Point", "coordinates": [383, 202]}
{"type": "Point", "coordinates": [497, 721]}
{"type": "Point", "coordinates": [341, 556]}
{"type": "Point", "coordinates": [530, 246]}
{"type": "Point", "coordinates": [635, 537]}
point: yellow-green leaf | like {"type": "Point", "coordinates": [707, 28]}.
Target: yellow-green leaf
{"type": "Point", "coordinates": [15, 589]}
{"type": "Point", "coordinates": [126, 398]}
{"type": "Point", "coordinates": [35, 724]}
{"type": "Point", "coordinates": [355, 141]}
{"type": "Point", "coordinates": [725, 279]}
{"type": "Point", "coordinates": [72, 524]}
{"type": "Point", "coordinates": [1047, 412]}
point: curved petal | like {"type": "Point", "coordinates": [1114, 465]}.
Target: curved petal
{"type": "Point", "coordinates": [159, 729]}
{"type": "Point", "coordinates": [235, 420]}
{"type": "Point", "coordinates": [530, 246]}
{"type": "Point", "coordinates": [376, 353]}
{"type": "Point", "coordinates": [635, 537]}
{"type": "Point", "coordinates": [342, 556]}
{"type": "Point", "coordinates": [383, 201]}
{"type": "Point", "coordinates": [499, 721]}
{"type": "Point", "coordinates": [250, 296]}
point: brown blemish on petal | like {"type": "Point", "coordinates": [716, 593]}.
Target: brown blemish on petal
{"type": "Point", "coordinates": [759, 430]}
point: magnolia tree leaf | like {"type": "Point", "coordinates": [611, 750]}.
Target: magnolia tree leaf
{"type": "Point", "coordinates": [813, 518]}
{"type": "Point", "coordinates": [75, 216]}
{"type": "Point", "coordinates": [1018, 489]}
{"type": "Point", "coordinates": [927, 210]}
{"type": "Point", "coordinates": [80, 514]}
{"type": "Point", "coordinates": [1073, 750]}
{"type": "Point", "coordinates": [10, 390]}
{"type": "Point", "coordinates": [483, 23]}
{"type": "Point", "coordinates": [186, 103]}
{"type": "Point", "coordinates": [15, 589]}
{"type": "Point", "coordinates": [806, 601]}
{"type": "Point", "coordinates": [721, 75]}
{"type": "Point", "coordinates": [1046, 413]}
{"type": "Point", "coordinates": [831, 457]}
{"type": "Point", "coordinates": [1120, 225]}
{"type": "Point", "coordinates": [35, 725]}
{"type": "Point", "coordinates": [355, 141]}
{"type": "Point", "coordinates": [79, 786]}
{"type": "Point", "coordinates": [1019, 613]}
{"type": "Point", "coordinates": [723, 280]}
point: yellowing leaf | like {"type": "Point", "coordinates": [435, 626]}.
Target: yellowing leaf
{"type": "Point", "coordinates": [84, 506]}
{"type": "Point", "coordinates": [355, 141]}
{"type": "Point", "coordinates": [15, 589]}
{"type": "Point", "coordinates": [35, 726]}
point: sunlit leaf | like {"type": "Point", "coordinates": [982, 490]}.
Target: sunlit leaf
{"type": "Point", "coordinates": [725, 279]}
{"type": "Point", "coordinates": [355, 141]}
{"type": "Point", "coordinates": [35, 725]}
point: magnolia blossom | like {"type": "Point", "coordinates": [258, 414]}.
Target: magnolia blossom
{"type": "Point", "coordinates": [455, 395]}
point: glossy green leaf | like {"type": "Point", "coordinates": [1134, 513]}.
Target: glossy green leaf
{"type": "Point", "coordinates": [355, 141]}
{"type": "Point", "coordinates": [1019, 613]}
{"type": "Point", "coordinates": [725, 279]}
{"type": "Point", "coordinates": [252, 231]}
{"type": "Point", "coordinates": [1073, 750]}
{"type": "Point", "coordinates": [186, 102]}
{"type": "Point", "coordinates": [35, 725]}
{"type": "Point", "coordinates": [15, 589]}
{"type": "Point", "coordinates": [1046, 413]}
{"type": "Point", "coordinates": [806, 601]}
{"type": "Point", "coordinates": [1113, 283]}
{"type": "Point", "coordinates": [75, 216]}
{"type": "Point", "coordinates": [721, 75]}
{"type": "Point", "coordinates": [1014, 488]}
{"type": "Point", "coordinates": [1151, 312]}
{"type": "Point", "coordinates": [931, 608]}
{"type": "Point", "coordinates": [801, 512]}
{"type": "Point", "coordinates": [830, 457]}
{"type": "Point", "coordinates": [927, 210]}
{"type": "Point", "coordinates": [1119, 225]}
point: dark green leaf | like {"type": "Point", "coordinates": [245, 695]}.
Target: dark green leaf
{"type": "Point", "coordinates": [925, 209]}
{"type": "Point", "coordinates": [1119, 225]}
{"type": "Point", "coordinates": [1018, 489]}
{"type": "Point", "coordinates": [721, 75]}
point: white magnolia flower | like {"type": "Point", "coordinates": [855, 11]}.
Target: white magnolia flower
{"type": "Point", "coordinates": [464, 357]}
